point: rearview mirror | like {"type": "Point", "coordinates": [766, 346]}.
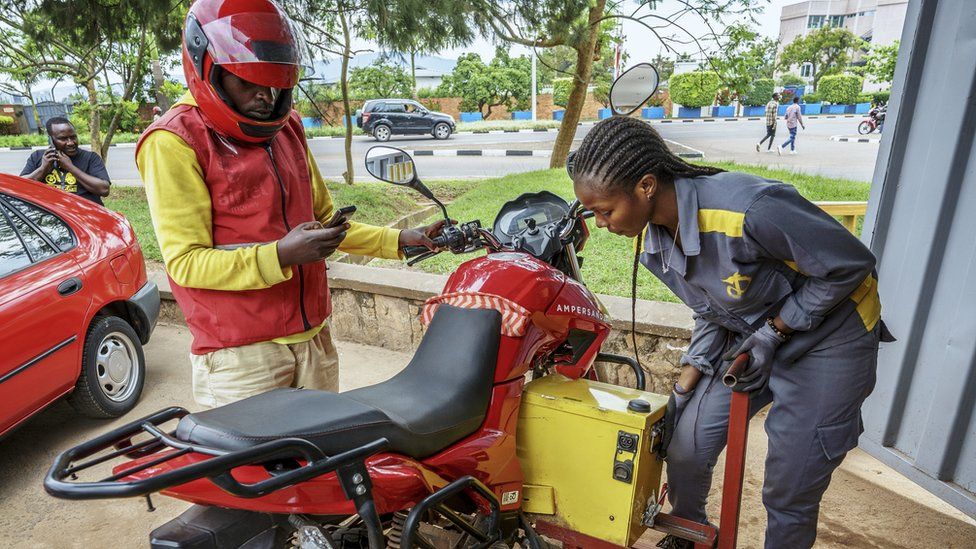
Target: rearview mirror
{"type": "Point", "coordinates": [632, 88]}
{"type": "Point", "coordinates": [391, 165]}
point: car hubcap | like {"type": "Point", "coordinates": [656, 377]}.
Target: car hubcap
{"type": "Point", "coordinates": [382, 133]}
{"type": "Point", "coordinates": [116, 366]}
{"type": "Point", "coordinates": [442, 131]}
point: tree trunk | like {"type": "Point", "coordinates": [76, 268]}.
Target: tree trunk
{"type": "Point", "coordinates": [413, 74]}
{"type": "Point", "coordinates": [581, 80]}
{"type": "Point", "coordinates": [95, 122]}
{"type": "Point", "coordinates": [344, 84]}
{"type": "Point", "coordinates": [37, 115]}
{"type": "Point", "coordinates": [158, 79]}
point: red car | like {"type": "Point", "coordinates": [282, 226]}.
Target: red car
{"type": "Point", "coordinates": [75, 305]}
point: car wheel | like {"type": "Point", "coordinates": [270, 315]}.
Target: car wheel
{"type": "Point", "coordinates": [865, 128]}
{"type": "Point", "coordinates": [382, 132]}
{"type": "Point", "coordinates": [442, 131]}
{"type": "Point", "coordinates": [113, 369]}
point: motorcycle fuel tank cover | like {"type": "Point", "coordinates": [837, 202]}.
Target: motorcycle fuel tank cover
{"type": "Point", "coordinates": [516, 276]}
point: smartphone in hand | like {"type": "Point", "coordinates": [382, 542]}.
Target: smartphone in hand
{"type": "Point", "coordinates": [340, 216]}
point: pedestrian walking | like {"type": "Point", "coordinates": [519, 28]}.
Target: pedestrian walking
{"type": "Point", "coordinates": [793, 119]}
{"type": "Point", "coordinates": [771, 113]}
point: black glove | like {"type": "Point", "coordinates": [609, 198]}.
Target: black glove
{"type": "Point", "coordinates": [676, 405]}
{"type": "Point", "coordinates": [761, 346]}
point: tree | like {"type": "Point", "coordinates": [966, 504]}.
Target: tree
{"type": "Point", "coordinates": [405, 25]}
{"type": "Point", "coordinates": [85, 41]}
{"type": "Point", "coordinates": [380, 80]}
{"type": "Point", "coordinates": [481, 87]}
{"type": "Point", "coordinates": [578, 24]}
{"type": "Point", "coordinates": [21, 82]}
{"type": "Point", "coordinates": [880, 63]}
{"type": "Point", "coordinates": [743, 58]}
{"type": "Point", "coordinates": [664, 66]}
{"type": "Point", "coordinates": [560, 61]}
{"type": "Point", "coordinates": [827, 49]}
{"type": "Point", "coordinates": [790, 79]}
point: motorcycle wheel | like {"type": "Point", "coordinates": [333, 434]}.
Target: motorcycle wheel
{"type": "Point", "coordinates": [865, 128]}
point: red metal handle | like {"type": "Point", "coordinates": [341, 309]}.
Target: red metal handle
{"type": "Point", "coordinates": [735, 459]}
{"type": "Point", "coordinates": [731, 376]}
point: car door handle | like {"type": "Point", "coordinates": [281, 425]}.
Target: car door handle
{"type": "Point", "coordinates": [70, 286]}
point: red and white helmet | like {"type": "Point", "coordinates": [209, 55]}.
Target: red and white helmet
{"type": "Point", "coordinates": [252, 39]}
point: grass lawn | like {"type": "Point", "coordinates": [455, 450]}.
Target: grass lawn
{"type": "Point", "coordinates": [377, 203]}
{"type": "Point", "coordinates": [608, 259]}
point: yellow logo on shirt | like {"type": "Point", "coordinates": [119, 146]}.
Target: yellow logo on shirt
{"type": "Point", "coordinates": [55, 178]}
{"type": "Point", "coordinates": [737, 285]}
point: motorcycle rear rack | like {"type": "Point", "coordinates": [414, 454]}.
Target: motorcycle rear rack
{"type": "Point", "coordinates": [60, 482]}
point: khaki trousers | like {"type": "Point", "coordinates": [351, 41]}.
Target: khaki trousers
{"type": "Point", "coordinates": [235, 373]}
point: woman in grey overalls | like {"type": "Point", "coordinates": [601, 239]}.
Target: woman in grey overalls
{"type": "Point", "coordinates": [766, 273]}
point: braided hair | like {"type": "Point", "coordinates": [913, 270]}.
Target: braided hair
{"type": "Point", "coordinates": [614, 156]}
{"type": "Point", "coordinates": [619, 151]}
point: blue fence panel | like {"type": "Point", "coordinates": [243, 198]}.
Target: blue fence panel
{"type": "Point", "coordinates": [652, 112]}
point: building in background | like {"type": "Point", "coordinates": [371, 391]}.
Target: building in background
{"type": "Point", "coordinates": [877, 21]}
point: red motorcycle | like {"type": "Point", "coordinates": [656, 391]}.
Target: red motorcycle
{"type": "Point", "coordinates": [874, 121]}
{"type": "Point", "coordinates": [429, 458]}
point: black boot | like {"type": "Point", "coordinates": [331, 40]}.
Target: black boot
{"type": "Point", "coordinates": [674, 542]}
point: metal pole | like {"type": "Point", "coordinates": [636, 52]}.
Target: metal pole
{"type": "Point", "coordinates": [735, 465]}
{"type": "Point", "coordinates": [533, 86]}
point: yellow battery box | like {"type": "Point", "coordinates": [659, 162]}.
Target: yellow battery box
{"type": "Point", "coordinates": [585, 451]}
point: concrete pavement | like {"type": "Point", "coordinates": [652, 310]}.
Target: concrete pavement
{"type": "Point", "coordinates": [867, 506]}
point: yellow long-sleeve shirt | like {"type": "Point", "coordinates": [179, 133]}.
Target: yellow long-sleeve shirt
{"type": "Point", "coordinates": [180, 206]}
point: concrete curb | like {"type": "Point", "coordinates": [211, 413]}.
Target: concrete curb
{"type": "Point", "coordinates": [843, 139]}
{"type": "Point", "coordinates": [653, 317]}
{"type": "Point", "coordinates": [518, 152]}
{"type": "Point", "coordinates": [479, 152]}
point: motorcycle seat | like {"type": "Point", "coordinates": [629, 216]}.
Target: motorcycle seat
{"type": "Point", "coordinates": [440, 397]}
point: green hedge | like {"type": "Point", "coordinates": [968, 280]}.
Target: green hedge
{"type": "Point", "coordinates": [840, 89]}
{"type": "Point", "coordinates": [881, 97]}
{"type": "Point", "coordinates": [694, 89]}
{"type": "Point", "coordinates": [811, 98]}
{"type": "Point", "coordinates": [760, 93]}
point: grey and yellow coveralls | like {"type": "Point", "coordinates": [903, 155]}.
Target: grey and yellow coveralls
{"type": "Point", "coordinates": [750, 249]}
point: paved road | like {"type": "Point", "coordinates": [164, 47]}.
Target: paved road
{"type": "Point", "coordinates": [718, 140]}
{"type": "Point", "coordinates": [867, 505]}
{"type": "Point", "coordinates": [816, 153]}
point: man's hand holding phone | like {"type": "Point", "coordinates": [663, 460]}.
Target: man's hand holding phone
{"type": "Point", "coordinates": [311, 241]}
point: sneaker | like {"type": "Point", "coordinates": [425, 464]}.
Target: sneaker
{"type": "Point", "coordinates": [779, 151]}
{"type": "Point", "coordinates": [793, 152]}
{"type": "Point", "coordinates": [757, 147]}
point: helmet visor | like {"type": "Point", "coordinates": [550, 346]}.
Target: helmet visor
{"type": "Point", "coordinates": [264, 48]}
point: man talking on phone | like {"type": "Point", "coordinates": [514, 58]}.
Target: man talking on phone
{"type": "Point", "coordinates": [65, 166]}
{"type": "Point", "coordinates": [241, 212]}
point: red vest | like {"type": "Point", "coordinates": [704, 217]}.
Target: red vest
{"type": "Point", "coordinates": [258, 193]}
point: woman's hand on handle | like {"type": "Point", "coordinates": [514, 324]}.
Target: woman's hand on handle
{"type": "Point", "coordinates": [761, 347]}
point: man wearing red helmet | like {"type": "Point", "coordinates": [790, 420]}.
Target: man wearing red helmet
{"type": "Point", "coordinates": [238, 204]}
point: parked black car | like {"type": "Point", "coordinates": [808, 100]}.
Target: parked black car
{"type": "Point", "coordinates": [383, 118]}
